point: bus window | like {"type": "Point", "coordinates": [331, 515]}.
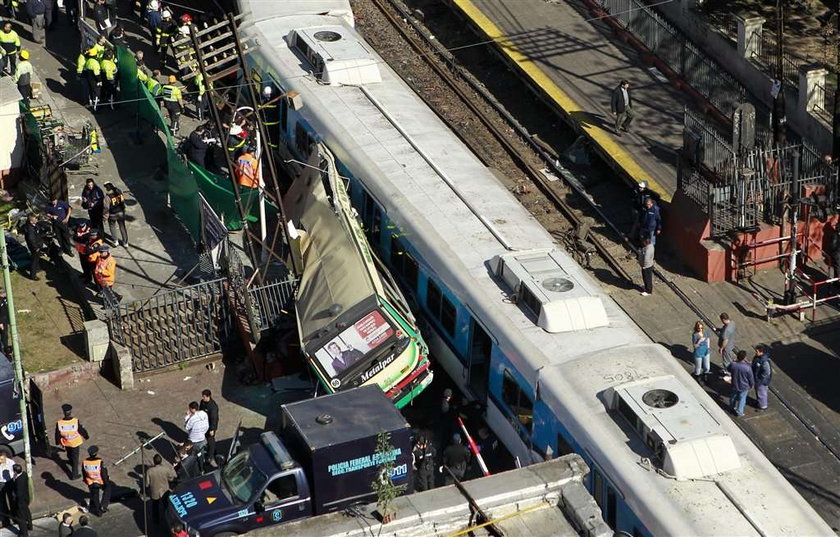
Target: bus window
{"type": "Point", "coordinates": [611, 507]}
{"type": "Point", "coordinates": [480, 348]}
{"type": "Point", "coordinates": [517, 401]}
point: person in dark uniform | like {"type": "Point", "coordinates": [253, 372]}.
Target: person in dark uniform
{"type": "Point", "coordinates": [35, 244]}
{"type": "Point", "coordinates": [94, 201]}
{"type": "Point", "coordinates": [96, 478]}
{"type": "Point", "coordinates": [199, 147]}
{"type": "Point", "coordinates": [210, 406]}
{"type": "Point", "coordinates": [455, 457]}
{"type": "Point", "coordinates": [59, 212]}
{"type": "Point", "coordinates": [70, 434]}
{"type": "Point", "coordinates": [423, 456]}
{"type": "Point", "coordinates": [84, 529]}
{"type": "Point", "coordinates": [20, 501]}
{"type": "Point", "coordinates": [4, 321]}
{"type": "Point", "coordinates": [116, 213]}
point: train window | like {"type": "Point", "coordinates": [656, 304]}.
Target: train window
{"type": "Point", "coordinates": [372, 219]}
{"type": "Point", "coordinates": [303, 142]}
{"type": "Point", "coordinates": [481, 345]}
{"type": "Point", "coordinates": [598, 487]}
{"type": "Point", "coordinates": [433, 298]}
{"type": "Point", "coordinates": [284, 114]}
{"type": "Point", "coordinates": [563, 447]}
{"type": "Point", "coordinates": [397, 253]}
{"type": "Point", "coordinates": [410, 271]}
{"type": "Point", "coordinates": [448, 315]}
{"type": "Point", "coordinates": [612, 507]}
{"type": "Point", "coordinates": [517, 401]}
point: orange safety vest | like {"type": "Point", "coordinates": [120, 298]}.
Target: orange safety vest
{"type": "Point", "coordinates": [69, 431]}
{"type": "Point", "coordinates": [81, 240]}
{"type": "Point", "coordinates": [246, 171]}
{"type": "Point", "coordinates": [93, 247]}
{"type": "Point", "coordinates": [92, 469]}
{"type": "Point", "coordinates": [106, 271]}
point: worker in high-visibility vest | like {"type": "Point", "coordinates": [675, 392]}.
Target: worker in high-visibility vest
{"type": "Point", "coordinates": [105, 274]}
{"type": "Point", "coordinates": [23, 76]}
{"type": "Point", "coordinates": [173, 101]}
{"type": "Point", "coordinates": [247, 170]}
{"type": "Point", "coordinates": [10, 43]}
{"type": "Point", "coordinates": [109, 78]}
{"type": "Point", "coordinates": [87, 67]}
{"type": "Point", "coordinates": [70, 434]}
{"type": "Point", "coordinates": [99, 485]}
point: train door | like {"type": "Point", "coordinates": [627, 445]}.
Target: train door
{"type": "Point", "coordinates": [605, 496]}
{"type": "Point", "coordinates": [481, 347]}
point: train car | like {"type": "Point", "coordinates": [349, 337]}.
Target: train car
{"type": "Point", "coordinates": [354, 324]}
{"type": "Point", "coordinates": [513, 320]}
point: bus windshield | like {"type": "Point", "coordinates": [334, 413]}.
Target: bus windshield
{"type": "Point", "coordinates": [242, 478]}
{"type": "Point", "coordinates": [363, 337]}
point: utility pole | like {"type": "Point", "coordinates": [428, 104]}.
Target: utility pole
{"type": "Point", "coordinates": [790, 279]}
{"type": "Point", "coordinates": [19, 380]}
{"type": "Point", "coordinates": [779, 119]}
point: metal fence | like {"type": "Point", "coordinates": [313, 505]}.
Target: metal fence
{"type": "Point", "coordinates": [741, 191]}
{"type": "Point", "coordinates": [172, 327]}
{"type": "Point", "coordinates": [766, 54]}
{"type": "Point", "coordinates": [672, 47]}
{"type": "Point", "coordinates": [272, 301]}
{"type": "Point", "coordinates": [824, 107]}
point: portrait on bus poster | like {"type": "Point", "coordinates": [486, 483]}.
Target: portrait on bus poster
{"type": "Point", "coordinates": [354, 343]}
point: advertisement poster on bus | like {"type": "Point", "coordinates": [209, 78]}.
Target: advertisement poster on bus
{"type": "Point", "coordinates": [354, 343]}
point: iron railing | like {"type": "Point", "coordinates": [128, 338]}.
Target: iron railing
{"type": "Point", "coordinates": [675, 49]}
{"type": "Point", "coordinates": [272, 302]}
{"type": "Point", "coordinates": [172, 327]}
{"type": "Point", "coordinates": [824, 106]}
{"type": "Point", "coordinates": [765, 57]}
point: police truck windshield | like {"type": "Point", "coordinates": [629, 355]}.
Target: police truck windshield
{"type": "Point", "coordinates": [242, 478]}
{"type": "Point", "coordinates": [351, 345]}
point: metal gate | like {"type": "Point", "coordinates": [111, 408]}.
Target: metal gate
{"type": "Point", "coordinates": [173, 327]}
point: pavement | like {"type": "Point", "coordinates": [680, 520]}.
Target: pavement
{"type": "Point", "coordinates": [161, 250]}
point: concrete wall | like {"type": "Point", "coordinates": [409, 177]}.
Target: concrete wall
{"type": "Point", "coordinates": [683, 15]}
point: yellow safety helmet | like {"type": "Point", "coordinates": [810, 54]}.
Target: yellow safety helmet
{"type": "Point", "coordinates": [172, 79]}
{"type": "Point", "coordinates": [24, 54]}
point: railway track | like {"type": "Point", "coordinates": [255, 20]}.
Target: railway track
{"type": "Point", "coordinates": [419, 39]}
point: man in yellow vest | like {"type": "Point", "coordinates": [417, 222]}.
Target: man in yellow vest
{"type": "Point", "coordinates": [70, 434]}
{"type": "Point", "coordinates": [109, 78]}
{"type": "Point", "coordinates": [10, 43]}
{"type": "Point", "coordinates": [23, 76]}
{"type": "Point", "coordinates": [96, 478]}
{"type": "Point", "coordinates": [87, 67]}
{"type": "Point", "coordinates": [173, 101]}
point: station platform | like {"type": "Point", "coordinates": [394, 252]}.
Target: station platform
{"type": "Point", "coordinates": [574, 62]}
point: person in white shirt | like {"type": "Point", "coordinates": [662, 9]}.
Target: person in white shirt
{"type": "Point", "coordinates": [197, 424]}
{"type": "Point", "coordinates": [7, 475]}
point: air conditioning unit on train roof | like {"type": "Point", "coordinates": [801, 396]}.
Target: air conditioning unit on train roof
{"type": "Point", "coordinates": [337, 57]}
{"type": "Point", "coordinates": [687, 441]}
{"type": "Point", "coordinates": [543, 288]}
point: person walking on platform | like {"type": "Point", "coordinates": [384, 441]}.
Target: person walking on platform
{"type": "Point", "coordinates": [701, 346]}
{"type": "Point", "coordinates": [196, 423]}
{"type": "Point", "coordinates": [116, 213]}
{"type": "Point", "coordinates": [726, 341]}
{"type": "Point", "coordinates": [650, 221]}
{"type": "Point", "coordinates": [763, 373]}
{"type": "Point", "coordinates": [23, 76]}
{"type": "Point", "coordinates": [59, 212]}
{"type": "Point", "coordinates": [84, 529]}
{"type": "Point", "coordinates": [198, 148]}
{"type": "Point", "coordinates": [51, 15]}
{"type": "Point", "coordinates": [173, 101]}
{"type": "Point", "coordinates": [7, 473]}
{"type": "Point", "coordinates": [742, 382]}
{"type": "Point", "coordinates": [621, 106]}
{"type": "Point", "coordinates": [158, 482]}
{"type": "Point", "coordinates": [65, 529]}
{"type": "Point", "coordinates": [37, 11]}
{"type": "Point", "coordinates": [71, 9]}
{"type": "Point", "coordinates": [96, 478]}
{"type": "Point", "coordinates": [646, 253]}
{"type": "Point", "coordinates": [105, 274]}
{"type": "Point", "coordinates": [20, 501]}
{"type": "Point", "coordinates": [70, 434]}
{"type": "Point", "coordinates": [166, 32]}
{"type": "Point", "coordinates": [211, 408]}
{"type": "Point", "coordinates": [87, 67]}
{"type": "Point", "coordinates": [10, 43]}
{"type": "Point", "coordinates": [92, 253]}
{"type": "Point", "coordinates": [103, 20]}
{"type": "Point", "coordinates": [93, 200]}
{"type": "Point", "coordinates": [34, 243]}
{"type": "Point", "coordinates": [108, 68]}
{"type": "Point", "coordinates": [81, 238]}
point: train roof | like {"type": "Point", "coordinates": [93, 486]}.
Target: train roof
{"type": "Point", "coordinates": [469, 229]}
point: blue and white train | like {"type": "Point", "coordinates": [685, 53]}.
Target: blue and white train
{"type": "Point", "coordinates": [515, 321]}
